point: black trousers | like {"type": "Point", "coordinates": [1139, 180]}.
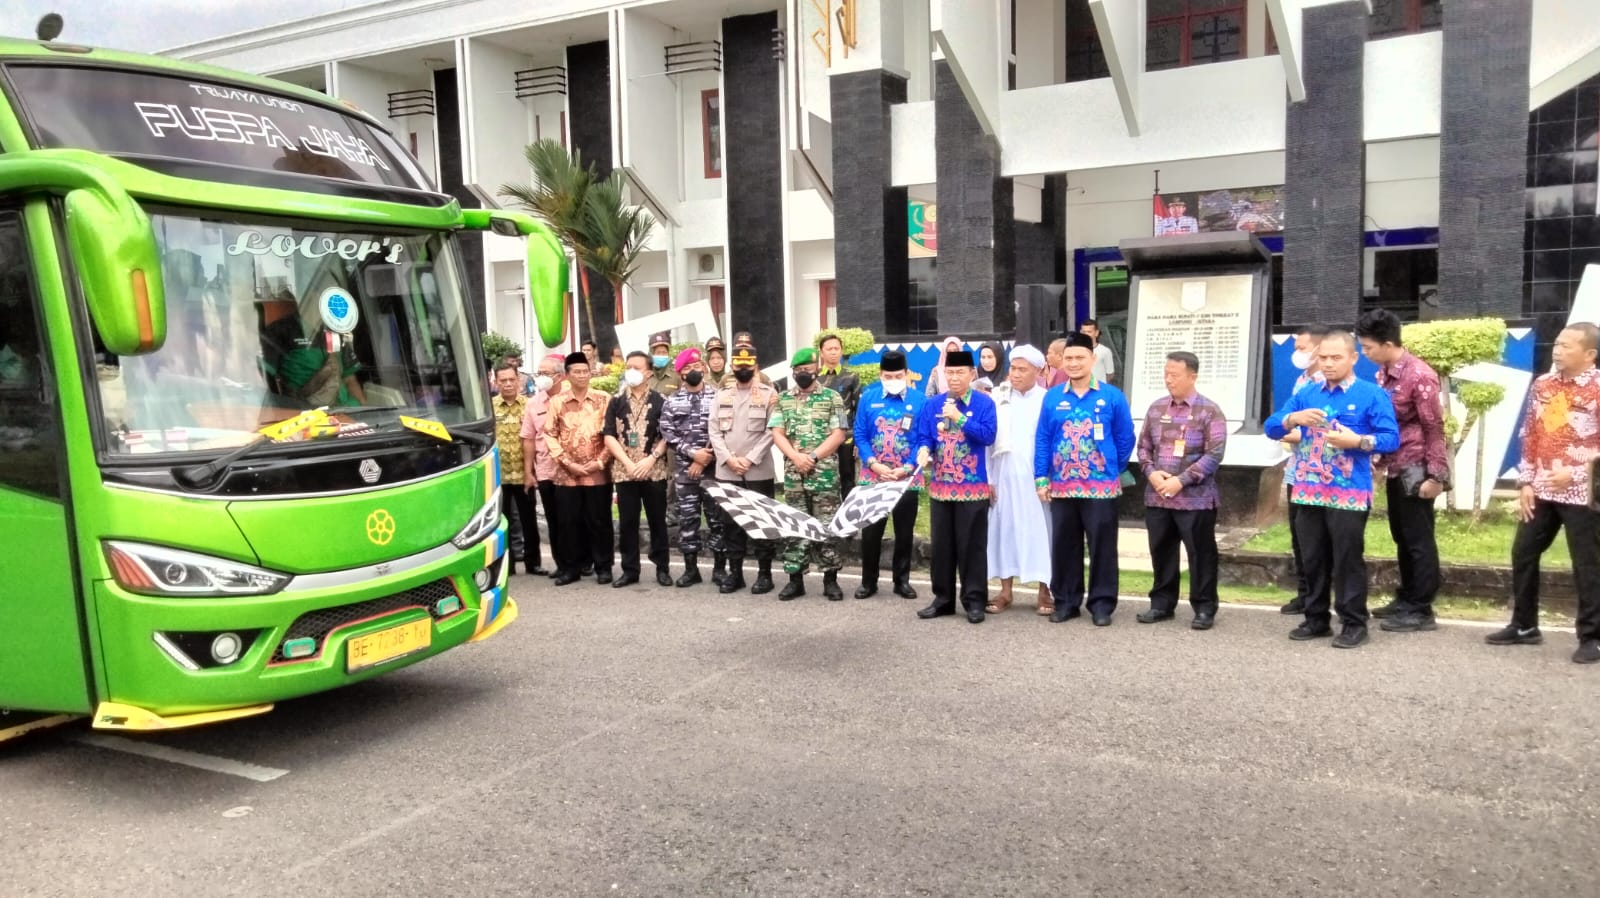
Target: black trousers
{"type": "Point", "coordinates": [847, 470]}
{"type": "Point", "coordinates": [737, 543]}
{"type": "Point", "coordinates": [1333, 543]}
{"type": "Point", "coordinates": [1072, 521]}
{"type": "Point", "coordinates": [960, 544]}
{"type": "Point", "coordinates": [522, 523]}
{"type": "Point", "coordinates": [1533, 537]}
{"type": "Point", "coordinates": [552, 519]}
{"type": "Point", "coordinates": [1196, 531]}
{"type": "Point", "coordinates": [1294, 546]}
{"type": "Point", "coordinates": [904, 517]}
{"type": "Point", "coordinates": [651, 495]}
{"type": "Point", "coordinates": [1417, 552]}
{"type": "Point", "coordinates": [584, 513]}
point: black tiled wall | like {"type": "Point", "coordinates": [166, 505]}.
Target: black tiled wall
{"type": "Point", "coordinates": [1561, 231]}
{"type": "Point", "coordinates": [1483, 110]}
{"type": "Point", "coordinates": [870, 261]}
{"type": "Point", "coordinates": [589, 115]}
{"type": "Point", "coordinates": [977, 231]}
{"type": "Point", "coordinates": [1325, 170]}
{"type": "Point", "coordinates": [754, 180]}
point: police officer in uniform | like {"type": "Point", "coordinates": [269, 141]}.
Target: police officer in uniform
{"type": "Point", "coordinates": [742, 440]}
{"type": "Point", "coordinates": [808, 428]}
{"type": "Point", "coordinates": [683, 424]}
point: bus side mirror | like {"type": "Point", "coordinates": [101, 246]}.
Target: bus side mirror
{"type": "Point", "coordinates": [547, 266]}
{"type": "Point", "coordinates": [113, 246]}
{"type": "Point", "coordinates": [119, 266]}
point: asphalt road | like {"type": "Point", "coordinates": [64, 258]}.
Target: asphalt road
{"type": "Point", "coordinates": [654, 741]}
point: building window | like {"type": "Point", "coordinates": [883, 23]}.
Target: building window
{"type": "Point", "coordinates": [827, 305]}
{"type": "Point", "coordinates": [711, 131]}
{"type": "Point", "coordinates": [1391, 18]}
{"type": "Point", "coordinates": [1086, 60]}
{"type": "Point", "coordinates": [1193, 32]}
{"type": "Point", "coordinates": [663, 299]}
{"type": "Point", "coordinates": [718, 296]}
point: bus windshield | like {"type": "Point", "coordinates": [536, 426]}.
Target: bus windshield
{"type": "Point", "coordinates": [268, 319]}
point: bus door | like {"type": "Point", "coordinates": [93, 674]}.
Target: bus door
{"type": "Point", "coordinates": [43, 660]}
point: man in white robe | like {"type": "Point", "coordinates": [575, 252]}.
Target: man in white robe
{"type": "Point", "coordinates": [1019, 527]}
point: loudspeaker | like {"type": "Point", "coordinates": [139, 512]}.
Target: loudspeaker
{"type": "Point", "coordinates": [1041, 313]}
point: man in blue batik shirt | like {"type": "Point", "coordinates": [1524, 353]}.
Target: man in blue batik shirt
{"type": "Point", "coordinates": [1083, 443]}
{"type": "Point", "coordinates": [886, 415]}
{"type": "Point", "coordinates": [953, 430]}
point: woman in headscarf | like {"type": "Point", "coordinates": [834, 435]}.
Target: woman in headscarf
{"type": "Point", "coordinates": [992, 363]}
{"type": "Point", "coordinates": [936, 384]}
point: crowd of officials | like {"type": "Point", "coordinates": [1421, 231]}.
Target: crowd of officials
{"type": "Point", "coordinates": [1022, 456]}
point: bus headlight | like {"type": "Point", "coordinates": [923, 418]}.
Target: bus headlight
{"type": "Point", "coordinates": [158, 571]}
{"type": "Point", "coordinates": [482, 524]}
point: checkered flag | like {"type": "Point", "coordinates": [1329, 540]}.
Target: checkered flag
{"type": "Point", "coordinates": [867, 505]}
{"type": "Point", "coordinates": [761, 517]}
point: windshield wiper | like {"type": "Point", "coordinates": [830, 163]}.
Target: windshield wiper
{"type": "Point", "coordinates": [204, 476]}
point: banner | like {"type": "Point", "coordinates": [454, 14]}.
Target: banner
{"type": "Point", "coordinates": [1255, 209]}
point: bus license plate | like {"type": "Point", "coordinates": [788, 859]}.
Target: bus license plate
{"type": "Point", "coordinates": [387, 645]}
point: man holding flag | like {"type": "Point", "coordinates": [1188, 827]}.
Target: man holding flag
{"type": "Point", "coordinates": [884, 437]}
{"type": "Point", "coordinates": [952, 431]}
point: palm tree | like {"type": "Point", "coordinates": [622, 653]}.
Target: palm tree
{"type": "Point", "coordinates": [558, 195]}
{"type": "Point", "coordinates": [616, 233]}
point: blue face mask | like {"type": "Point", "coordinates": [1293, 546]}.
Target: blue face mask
{"type": "Point", "coordinates": [659, 361]}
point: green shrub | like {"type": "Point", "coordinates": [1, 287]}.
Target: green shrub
{"type": "Point", "coordinates": [867, 373]}
{"type": "Point", "coordinates": [605, 383]}
{"type": "Point", "coordinates": [1448, 346]}
{"type": "Point", "coordinates": [497, 347]}
{"type": "Point", "coordinates": [853, 339]}
{"type": "Point", "coordinates": [1480, 397]}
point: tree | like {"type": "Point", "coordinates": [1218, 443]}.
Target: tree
{"type": "Point", "coordinates": [615, 234]}
{"type": "Point", "coordinates": [558, 196]}
{"type": "Point", "coordinates": [1447, 347]}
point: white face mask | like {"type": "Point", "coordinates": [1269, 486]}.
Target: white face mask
{"type": "Point", "coordinates": [1302, 359]}
{"type": "Point", "coordinates": [633, 376]}
{"type": "Point", "coordinates": [894, 387]}
{"type": "Point", "coordinates": [543, 382]}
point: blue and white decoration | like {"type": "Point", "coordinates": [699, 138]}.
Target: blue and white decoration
{"type": "Point", "coordinates": [340, 314]}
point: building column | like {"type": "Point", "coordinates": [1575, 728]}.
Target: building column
{"type": "Point", "coordinates": [753, 181]}
{"type": "Point", "coordinates": [869, 214]}
{"type": "Point", "coordinates": [1483, 133]}
{"type": "Point", "coordinates": [1325, 172]}
{"type": "Point", "coordinates": [452, 180]}
{"type": "Point", "coordinates": [975, 276]}
{"type": "Point", "coordinates": [589, 114]}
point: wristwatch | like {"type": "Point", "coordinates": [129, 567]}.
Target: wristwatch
{"type": "Point", "coordinates": [811, 455]}
{"type": "Point", "coordinates": [1368, 443]}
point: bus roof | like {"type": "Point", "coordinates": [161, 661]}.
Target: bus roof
{"type": "Point", "coordinates": [12, 49]}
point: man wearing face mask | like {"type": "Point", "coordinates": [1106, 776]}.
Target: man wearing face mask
{"type": "Point", "coordinates": [808, 428]}
{"type": "Point", "coordinates": [883, 432]}
{"type": "Point", "coordinates": [684, 425]}
{"type": "Point", "coordinates": [639, 469]}
{"type": "Point", "coordinates": [743, 444]}
{"type": "Point", "coordinates": [1305, 344]}
{"type": "Point", "coordinates": [539, 469]}
{"type": "Point", "coordinates": [663, 379]}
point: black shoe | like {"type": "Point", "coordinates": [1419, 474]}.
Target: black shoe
{"type": "Point", "coordinates": [565, 577]}
{"type": "Point", "coordinates": [663, 578]}
{"type": "Point", "coordinates": [1203, 621]}
{"type": "Point", "coordinates": [1588, 652]}
{"type": "Point", "coordinates": [624, 580]}
{"type": "Point", "coordinates": [537, 571]}
{"type": "Point", "coordinates": [719, 569]}
{"type": "Point", "coordinates": [1102, 619]}
{"type": "Point", "coordinates": [1350, 636]}
{"type": "Point", "coordinates": [689, 578]}
{"type": "Point", "coordinates": [1296, 605]}
{"type": "Point", "coordinates": [1392, 609]}
{"type": "Point", "coordinates": [1308, 631]}
{"type": "Point", "coordinates": [763, 584]}
{"type": "Point", "coordinates": [933, 611]}
{"type": "Point", "coordinates": [1063, 614]}
{"type": "Point", "coordinates": [904, 590]}
{"type": "Point", "coordinates": [830, 587]}
{"type": "Point", "coordinates": [1409, 622]}
{"type": "Point", "coordinates": [794, 589]}
{"type": "Point", "coordinates": [1514, 635]}
{"type": "Point", "coordinates": [731, 582]}
{"type": "Point", "coordinates": [865, 591]}
{"type": "Point", "coordinates": [586, 571]}
{"type": "Point", "coordinates": [603, 577]}
{"type": "Point", "coordinates": [1153, 616]}
{"type": "Point", "coordinates": [975, 615]}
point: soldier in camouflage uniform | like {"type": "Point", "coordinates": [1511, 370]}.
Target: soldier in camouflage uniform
{"type": "Point", "coordinates": [685, 426]}
{"type": "Point", "coordinates": [808, 428]}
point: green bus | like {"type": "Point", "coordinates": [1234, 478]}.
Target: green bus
{"type": "Point", "coordinates": [246, 449]}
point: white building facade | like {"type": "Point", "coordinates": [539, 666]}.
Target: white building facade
{"type": "Point", "coordinates": [907, 165]}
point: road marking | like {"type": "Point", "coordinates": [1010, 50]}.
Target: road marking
{"type": "Point", "coordinates": [181, 756]}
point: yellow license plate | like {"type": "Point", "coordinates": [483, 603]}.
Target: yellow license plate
{"type": "Point", "coordinates": [387, 645]}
